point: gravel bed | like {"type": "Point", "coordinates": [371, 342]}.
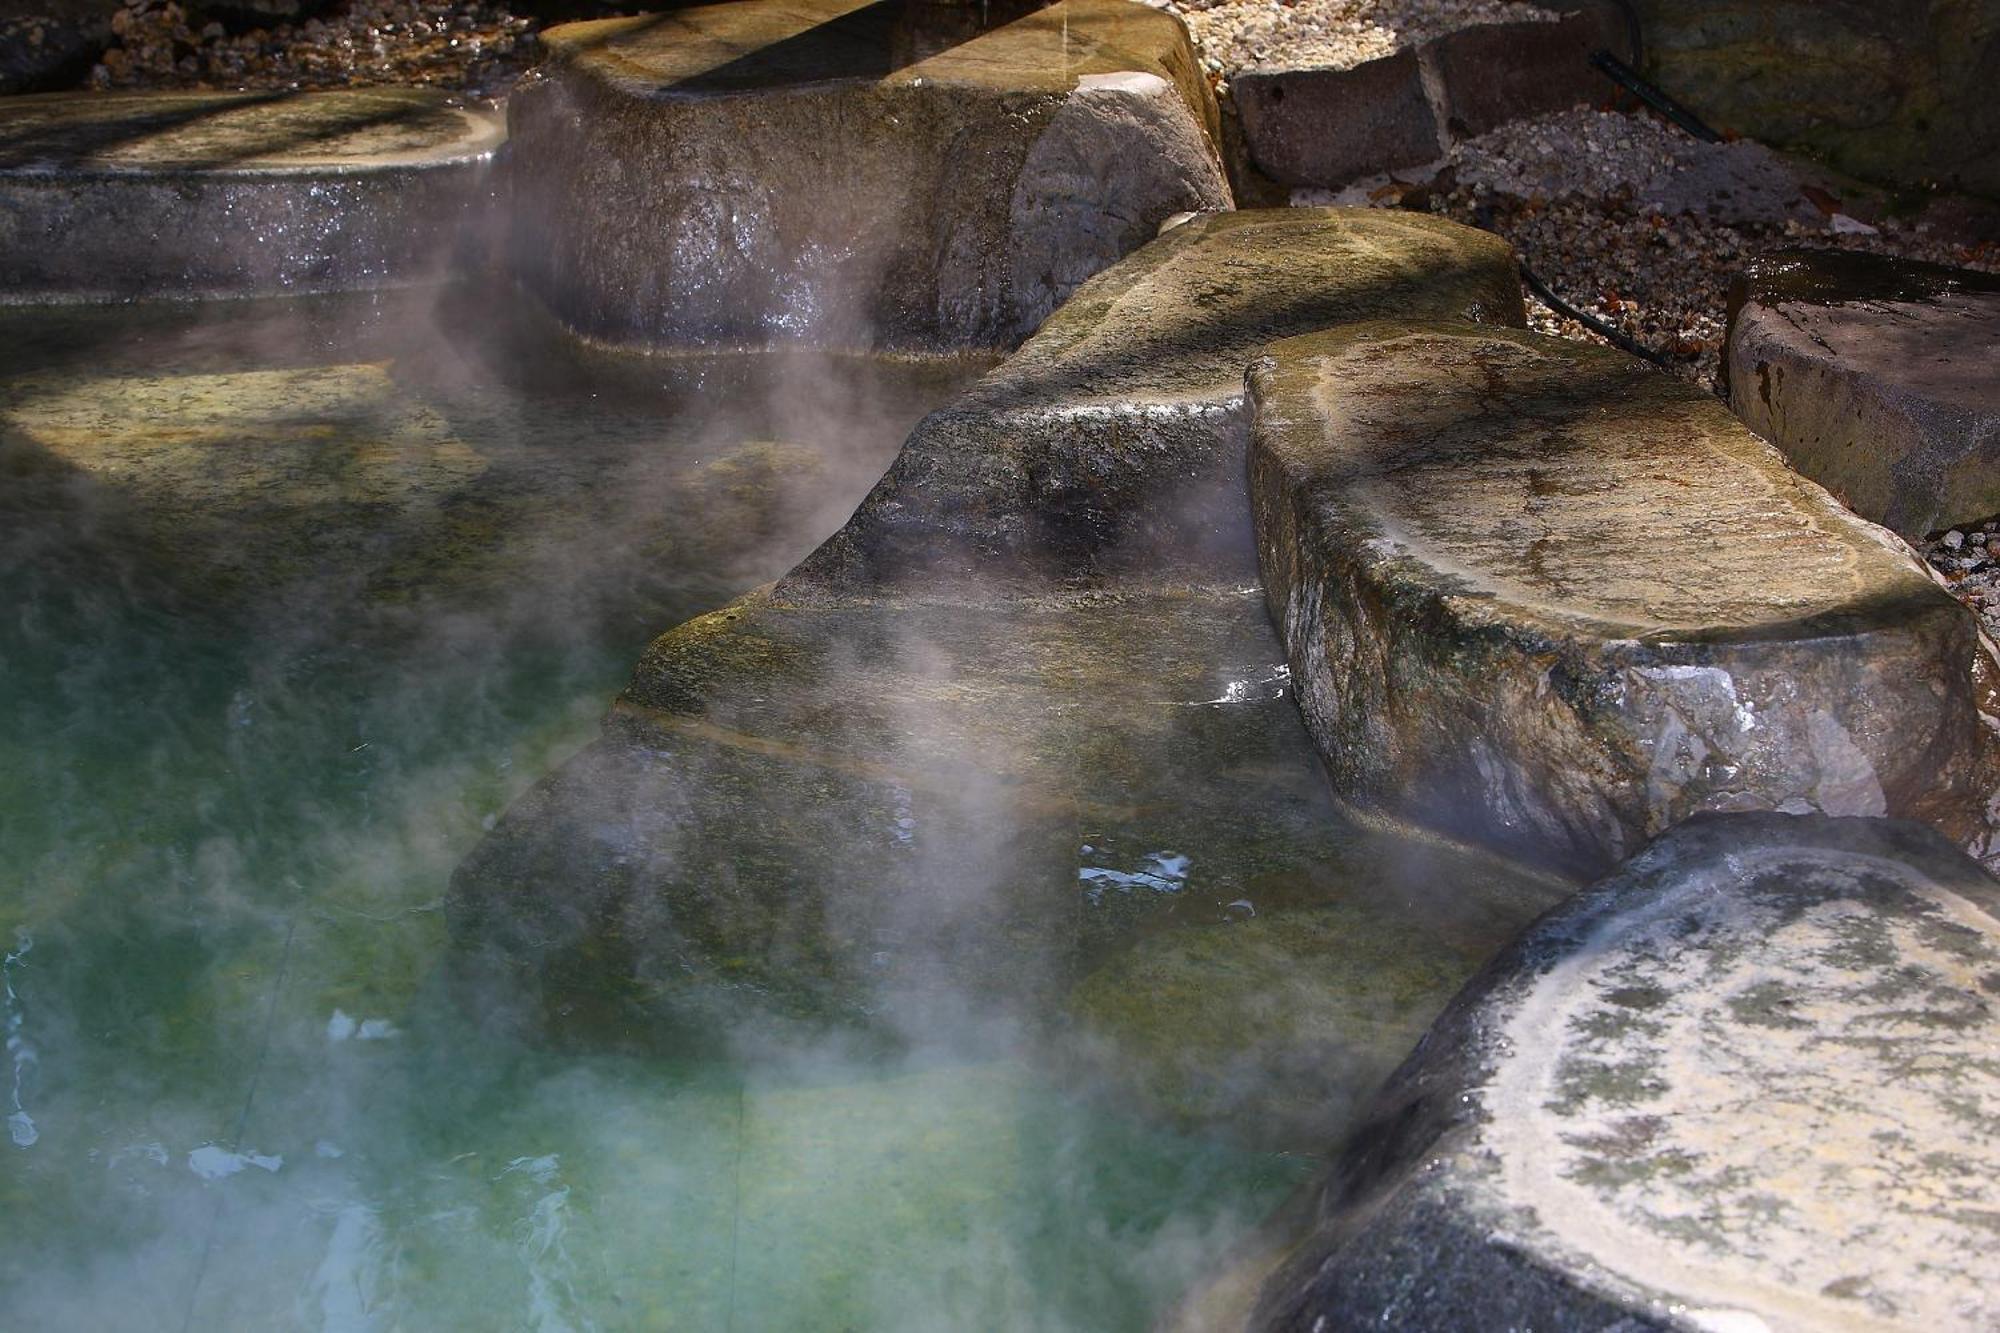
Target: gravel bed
{"type": "Point", "coordinates": [473, 46]}
{"type": "Point", "coordinates": [1339, 34]}
{"type": "Point", "coordinates": [1968, 559]}
{"type": "Point", "coordinates": [1643, 226]}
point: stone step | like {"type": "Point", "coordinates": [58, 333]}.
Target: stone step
{"type": "Point", "coordinates": [1538, 594]}
{"type": "Point", "coordinates": [838, 171]}
{"type": "Point", "coordinates": [1877, 378]}
{"type": "Point", "coordinates": [1747, 1083]}
{"type": "Point", "coordinates": [1115, 438]}
{"type": "Point", "coordinates": [117, 196]}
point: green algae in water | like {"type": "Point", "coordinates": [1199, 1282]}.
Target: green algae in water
{"type": "Point", "coordinates": [298, 597]}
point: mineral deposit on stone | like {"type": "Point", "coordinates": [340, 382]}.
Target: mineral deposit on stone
{"type": "Point", "coordinates": [1748, 1083]}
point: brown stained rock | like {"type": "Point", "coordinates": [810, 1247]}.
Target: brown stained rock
{"type": "Point", "coordinates": [1538, 593]}
{"type": "Point", "coordinates": [117, 196]}
{"type": "Point", "coordinates": [1702, 1095]}
{"type": "Point", "coordinates": [1114, 439]}
{"type": "Point", "coordinates": [805, 169]}
{"type": "Point", "coordinates": [1877, 378]}
{"type": "Point", "coordinates": [1494, 73]}
{"type": "Point", "coordinates": [1328, 126]}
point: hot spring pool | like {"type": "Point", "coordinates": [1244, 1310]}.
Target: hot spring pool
{"type": "Point", "coordinates": [297, 598]}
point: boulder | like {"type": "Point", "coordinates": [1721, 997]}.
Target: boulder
{"type": "Point", "coordinates": [820, 170]}
{"type": "Point", "coordinates": [1747, 1083]}
{"type": "Point", "coordinates": [1891, 90]}
{"type": "Point", "coordinates": [1115, 438]}
{"type": "Point", "coordinates": [118, 196]}
{"type": "Point", "coordinates": [1327, 126]}
{"type": "Point", "coordinates": [1539, 594]}
{"type": "Point", "coordinates": [1877, 378]}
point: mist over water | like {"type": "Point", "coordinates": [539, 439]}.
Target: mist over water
{"type": "Point", "coordinates": [295, 598]}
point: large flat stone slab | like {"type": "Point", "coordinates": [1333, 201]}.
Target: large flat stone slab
{"type": "Point", "coordinates": [1114, 439]}
{"type": "Point", "coordinates": [1877, 378]}
{"type": "Point", "coordinates": [1748, 1083]}
{"type": "Point", "coordinates": [818, 169]}
{"type": "Point", "coordinates": [1537, 593]}
{"type": "Point", "coordinates": [116, 196]}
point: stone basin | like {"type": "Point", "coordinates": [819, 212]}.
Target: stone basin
{"type": "Point", "coordinates": [114, 196]}
{"type": "Point", "coordinates": [818, 169]}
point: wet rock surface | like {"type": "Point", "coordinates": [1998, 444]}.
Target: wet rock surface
{"type": "Point", "coordinates": [1705, 1094]}
{"type": "Point", "coordinates": [874, 792]}
{"type": "Point", "coordinates": [974, 183]}
{"type": "Point", "coordinates": [1535, 592]}
{"type": "Point", "coordinates": [209, 194]}
{"type": "Point", "coordinates": [1114, 439]}
{"type": "Point", "coordinates": [1877, 378]}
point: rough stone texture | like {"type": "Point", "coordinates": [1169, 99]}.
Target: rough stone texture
{"type": "Point", "coordinates": [116, 196]}
{"type": "Point", "coordinates": [1328, 126]}
{"type": "Point", "coordinates": [1493, 73]}
{"type": "Point", "coordinates": [897, 798]}
{"type": "Point", "coordinates": [1537, 593]}
{"type": "Point", "coordinates": [39, 53]}
{"type": "Point", "coordinates": [1114, 439]}
{"type": "Point", "coordinates": [1878, 379]}
{"type": "Point", "coordinates": [809, 169]}
{"type": "Point", "coordinates": [1894, 90]}
{"type": "Point", "coordinates": [1749, 1083]}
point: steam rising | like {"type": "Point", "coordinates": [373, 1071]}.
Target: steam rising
{"type": "Point", "coordinates": [297, 600]}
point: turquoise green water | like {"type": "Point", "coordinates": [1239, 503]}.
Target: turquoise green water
{"type": "Point", "coordinates": [294, 599]}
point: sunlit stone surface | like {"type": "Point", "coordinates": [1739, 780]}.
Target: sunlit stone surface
{"type": "Point", "coordinates": [114, 196]}
{"type": "Point", "coordinates": [892, 790]}
{"type": "Point", "coordinates": [1747, 1084]}
{"type": "Point", "coordinates": [851, 173]}
{"type": "Point", "coordinates": [1877, 378]}
{"type": "Point", "coordinates": [1115, 438]}
{"type": "Point", "coordinates": [1538, 593]}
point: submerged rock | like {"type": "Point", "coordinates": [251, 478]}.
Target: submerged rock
{"type": "Point", "coordinates": [1747, 1083]}
{"type": "Point", "coordinates": [881, 790]}
{"type": "Point", "coordinates": [117, 196]}
{"type": "Point", "coordinates": [1537, 593]}
{"type": "Point", "coordinates": [1115, 438]}
{"type": "Point", "coordinates": [1274, 1024]}
{"type": "Point", "coordinates": [1877, 378]}
{"type": "Point", "coordinates": [817, 169]}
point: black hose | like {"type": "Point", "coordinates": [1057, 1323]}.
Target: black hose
{"type": "Point", "coordinates": [1652, 95]}
{"type": "Point", "coordinates": [1611, 333]}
